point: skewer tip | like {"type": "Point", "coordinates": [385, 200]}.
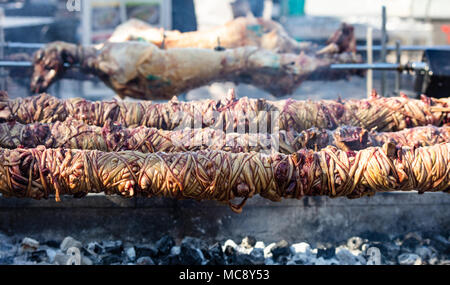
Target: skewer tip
{"type": "Point", "coordinates": [374, 94]}
{"type": "Point", "coordinates": [403, 95]}
{"type": "Point", "coordinates": [231, 95]}
{"type": "Point", "coordinates": [3, 95]}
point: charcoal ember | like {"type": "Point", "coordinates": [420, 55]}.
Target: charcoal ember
{"type": "Point", "coordinates": [374, 256]}
{"type": "Point", "coordinates": [283, 260]}
{"type": "Point", "coordinates": [324, 245]}
{"type": "Point", "coordinates": [39, 256]}
{"type": "Point", "coordinates": [52, 243]}
{"type": "Point", "coordinates": [248, 259]}
{"type": "Point", "coordinates": [302, 248]}
{"type": "Point", "coordinates": [375, 236]}
{"type": "Point", "coordinates": [86, 260]}
{"type": "Point", "coordinates": [5, 243]}
{"type": "Point", "coordinates": [111, 259]}
{"type": "Point", "coordinates": [354, 243]}
{"type": "Point", "coordinates": [145, 260]}
{"type": "Point", "coordinates": [409, 259]}
{"type": "Point", "coordinates": [170, 259]}
{"type": "Point", "coordinates": [229, 250]}
{"type": "Point", "coordinates": [345, 257]}
{"type": "Point", "coordinates": [69, 242]}
{"type": "Point", "coordinates": [268, 250]}
{"type": "Point", "coordinates": [411, 241]}
{"type": "Point", "coordinates": [316, 261]}
{"type": "Point", "coordinates": [28, 245]}
{"type": "Point", "coordinates": [365, 246]}
{"type": "Point", "coordinates": [260, 244]}
{"type": "Point", "coordinates": [230, 242]}
{"type": "Point", "coordinates": [94, 248]}
{"type": "Point", "coordinates": [61, 258]}
{"type": "Point", "coordinates": [131, 253]}
{"type": "Point", "coordinates": [326, 253]}
{"type": "Point", "coordinates": [441, 244]}
{"type": "Point", "coordinates": [248, 242]}
{"type": "Point", "coordinates": [197, 243]}
{"type": "Point", "coordinates": [190, 254]}
{"type": "Point", "coordinates": [257, 255]}
{"type": "Point", "coordinates": [389, 251]}
{"type": "Point", "coordinates": [230, 254]}
{"type": "Point", "coordinates": [424, 252]}
{"type": "Point", "coordinates": [164, 245]}
{"type": "Point", "coordinates": [175, 250]}
{"type": "Point", "coordinates": [7, 250]}
{"type": "Point", "coordinates": [6, 260]}
{"type": "Point", "coordinates": [433, 260]}
{"type": "Point", "coordinates": [216, 255]}
{"type": "Point", "coordinates": [71, 257]}
{"type": "Point", "coordinates": [146, 250]}
{"type": "Point", "coordinates": [280, 249]}
{"type": "Point", "coordinates": [299, 259]}
{"type": "Point", "coordinates": [113, 247]}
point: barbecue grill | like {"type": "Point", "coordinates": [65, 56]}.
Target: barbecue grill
{"type": "Point", "coordinates": [231, 149]}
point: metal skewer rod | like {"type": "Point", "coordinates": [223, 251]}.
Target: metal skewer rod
{"type": "Point", "coordinates": [376, 66]}
{"type": "Point", "coordinates": [373, 66]}
{"type": "Point", "coordinates": [22, 45]}
{"type": "Point", "coordinates": [73, 71]}
{"type": "Point", "coordinates": [10, 63]}
{"type": "Point", "coordinates": [402, 48]}
{"type": "Point", "coordinates": [413, 66]}
{"type": "Point", "coordinates": [358, 48]}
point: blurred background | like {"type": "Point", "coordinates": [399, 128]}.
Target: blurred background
{"type": "Point", "coordinates": [410, 22]}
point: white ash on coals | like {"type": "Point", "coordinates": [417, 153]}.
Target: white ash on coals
{"type": "Point", "coordinates": [367, 249]}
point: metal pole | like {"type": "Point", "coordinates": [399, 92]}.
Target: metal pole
{"type": "Point", "coordinates": [403, 48]}
{"type": "Point", "coordinates": [412, 66]}
{"type": "Point", "coordinates": [12, 63]}
{"type": "Point", "coordinates": [369, 79]}
{"type": "Point", "coordinates": [383, 48]}
{"type": "Point", "coordinates": [2, 41]}
{"type": "Point", "coordinates": [398, 55]}
{"type": "Point", "coordinates": [22, 45]}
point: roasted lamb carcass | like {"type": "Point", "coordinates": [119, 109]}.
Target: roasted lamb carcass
{"type": "Point", "coordinates": [249, 31]}
{"type": "Point", "coordinates": [144, 71]}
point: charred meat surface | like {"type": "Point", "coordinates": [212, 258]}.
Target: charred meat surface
{"type": "Point", "coordinates": [114, 137]}
{"type": "Point", "coordinates": [143, 70]}
{"type": "Point", "coordinates": [378, 113]}
{"type": "Point", "coordinates": [239, 32]}
{"type": "Point", "coordinates": [222, 176]}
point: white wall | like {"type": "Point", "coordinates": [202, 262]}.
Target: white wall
{"type": "Point", "coordinates": [435, 9]}
{"type": "Point", "coordinates": [211, 13]}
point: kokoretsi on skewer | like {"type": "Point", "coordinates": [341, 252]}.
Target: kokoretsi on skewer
{"type": "Point", "coordinates": [112, 137]}
{"type": "Point", "coordinates": [381, 114]}
{"type": "Point", "coordinates": [224, 176]}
